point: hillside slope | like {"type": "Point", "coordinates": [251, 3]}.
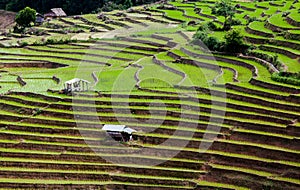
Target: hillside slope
{"type": "Point", "coordinates": [6, 19]}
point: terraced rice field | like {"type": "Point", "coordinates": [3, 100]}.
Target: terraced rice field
{"type": "Point", "coordinates": [204, 121]}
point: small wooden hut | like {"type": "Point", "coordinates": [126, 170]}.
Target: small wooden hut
{"type": "Point", "coordinates": [119, 132]}
{"type": "Point", "coordinates": [39, 19]}
{"type": "Point", "coordinates": [76, 85]}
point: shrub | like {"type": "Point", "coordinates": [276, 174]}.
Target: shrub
{"type": "Point", "coordinates": [110, 6]}
{"type": "Point", "coordinates": [234, 41]}
{"type": "Point", "coordinates": [226, 9]}
{"type": "Point", "coordinates": [50, 41]}
{"type": "Point", "coordinates": [19, 29]}
{"type": "Point", "coordinates": [23, 44]}
{"type": "Point", "coordinates": [252, 19]}
{"type": "Point", "coordinates": [25, 17]}
{"type": "Point", "coordinates": [291, 75]}
{"type": "Point", "coordinates": [235, 22]}
{"type": "Point", "coordinates": [212, 43]}
{"type": "Point", "coordinates": [36, 111]}
{"type": "Point", "coordinates": [35, 31]}
{"type": "Point", "coordinates": [212, 26]}
{"type": "Point", "coordinates": [290, 36]}
{"type": "Point", "coordinates": [288, 78]}
{"type": "Point", "coordinates": [231, 22]}
{"type": "Point", "coordinates": [127, 4]}
{"type": "Point", "coordinates": [203, 27]}
{"type": "Point", "coordinates": [200, 35]}
{"type": "Point", "coordinates": [37, 43]}
{"type": "Point", "coordinates": [208, 26]}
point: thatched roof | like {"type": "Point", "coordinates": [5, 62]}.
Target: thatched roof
{"type": "Point", "coordinates": [56, 12]}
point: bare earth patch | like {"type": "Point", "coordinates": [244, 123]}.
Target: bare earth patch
{"type": "Point", "coordinates": [6, 19]}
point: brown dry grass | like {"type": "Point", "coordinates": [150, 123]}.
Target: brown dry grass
{"type": "Point", "coordinates": [6, 19]}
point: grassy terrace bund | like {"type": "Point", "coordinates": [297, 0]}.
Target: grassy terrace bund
{"type": "Point", "coordinates": [223, 119]}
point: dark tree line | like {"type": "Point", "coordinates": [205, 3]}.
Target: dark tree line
{"type": "Point", "coordinates": [71, 7]}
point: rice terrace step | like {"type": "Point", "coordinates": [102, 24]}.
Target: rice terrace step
{"type": "Point", "coordinates": [156, 94]}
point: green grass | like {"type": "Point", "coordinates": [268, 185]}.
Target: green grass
{"type": "Point", "coordinates": [151, 71]}
{"type": "Point", "coordinates": [162, 29]}
{"type": "Point", "coordinates": [45, 135]}
{"type": "Point", "coordinates": [190, 12]}
{"type": "Point", "coordinates": [285, 48]}
{"type": "Point", "coordinates": [226, 77]}
{"type": "Point", "coordinates": [197, 76]}
{"type": "Point", "coordinates": [279, 21]}
{"type": "Point", "coordinates": [179, 4]}
{"type": "Point", "coordinates": [292, 64]}
{"type": "Point", "coordinates": [264, 133]}
{"type": "Point", "coordinates": [142, 107]}
{"type": "Point", "coordinates": [92, 51]}
{"type": "Point", "coordinates": [295, 16]}
{"type": "Point", "coordinates": [219, 35]}
{"type": "Point", "coordinates": [255, 172]}
{"type": "Point", "coordinates": [170, 148]}
{"type": "Point", "coordinates": [259, 26]}
{"type": "Point", "coordinates": [244, 74]}
{"type": "Point", "coordinates": [294, 31]}
{"type": "Point", "coordinates": [269, 147]}
{"type": "Point", "coordinates": [93, 18]}
{"type": "Point", "coordinates": [176, 15]}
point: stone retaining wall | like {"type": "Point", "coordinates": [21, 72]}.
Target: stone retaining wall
{"type": "Point", "coordinates": [198, 11]}
{"type": "Point", "coordinates": [263, 94]}
{"type": "Point", "coordinates": [246, 99]}
{"type": "Point", "coordinates": [248, 9]}
{"type": "Point", "coordinates": [184, 35]}
{"type": "Point", "coordinates": [287, 44]}
{"type": "Point", "coordinates": [265, 139]}
{"type": "Point", "coordinates": [261, 7]}
{"type": "Point", "coordinates": [256, 40]}
{"type": "Point", "coordinates": [161, 37]}
{"type": "Point", "coordinates": [235, 73]}
{"type": "Point", "coordinates": [274, 86]}
{"type": "Point", "coordinates": [39, 64]}
{"type": "Point", "coordinates": [131, 46]}
{"type": "Point", "coordinates": [267, 64]}
{"type": "Point", "coordinates": [276, 5]}
{"type": "Point", "coordinates": [172, 19]}
{"type": "Point", "coordinates": [133, 21]}
{"type": "Point", "coordinates": [258, 33]}
{"type": "Point", "coordinates": [79, 53]}
{"type": "Point", "coordinates": [96, 24]}
{"type": "Point", "coordinates": [275, 28]}
{"type": "Point", "coordinates": [51, 57]}
{"type": "Point", "coordinates": [158, 62]}
{"type": "Point", "coordinates": [33, 95]}
{"type": "Point", "coordinates": [223, 59]}
{"type": "Point", "coordinates": [292, 21]}
{"type": "Point", "coordinates": [135, 40]}
{"type": "Point", "coordinates": [280, 51]}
